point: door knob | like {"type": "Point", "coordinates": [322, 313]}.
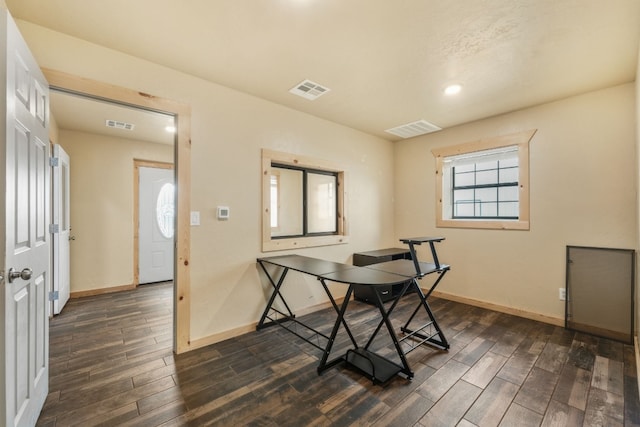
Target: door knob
{"type": "Point", "coordinates": [25, 274]}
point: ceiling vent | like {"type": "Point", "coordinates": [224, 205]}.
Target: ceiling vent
{"type": "Point", "coordinates": [119, 125]}
{"type": "Point", "coordinates": [410, 130]}
{"type": "Point", "coordinates": [309, 90]}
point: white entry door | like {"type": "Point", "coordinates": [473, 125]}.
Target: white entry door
{"type": "Point", "coordinates": [61, 229]}
{"type": "Point", "coordinates": [156, 225]}
{"type": "Point", "coordinates": [24, 359]}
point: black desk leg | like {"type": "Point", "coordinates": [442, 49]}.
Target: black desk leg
{"type": "Point", "coordinates": [276, 291]}
{"type": "Point", "coordinates": [337, 309]}
{"type": "Point", "coordinates": [324, 365]}
{"type": "Point", "coordinates": [414, 257]}
{"type": "Point", "coordinates": [385, 318]}
{"type": "Point", "coordinates": [393, 305]}
{"type": "Point", "coordinates": [442, 342]}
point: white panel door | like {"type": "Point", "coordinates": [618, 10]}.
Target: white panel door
{"type": "Point", "coordinates": [61, 239]}
{"type": "Point", "coordinates": [25, 241]}
{"type": "Point", "coordinates": [156, 225]}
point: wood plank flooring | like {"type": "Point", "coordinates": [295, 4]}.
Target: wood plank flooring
{"type": "Point", "coordinates": [111, 364]}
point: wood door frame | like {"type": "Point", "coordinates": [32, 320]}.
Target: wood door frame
{"type": "Point", "coordinates": [137, 164]}
{"type": "Point", "coordinates": [182, 157]}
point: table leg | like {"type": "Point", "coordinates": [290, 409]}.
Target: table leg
{"type": "Point", "coordinates": [276, 292]}
{"type": "Point", "coordinates": [324, 365]}
{"type": "Point", "coordinates": [442, 341]}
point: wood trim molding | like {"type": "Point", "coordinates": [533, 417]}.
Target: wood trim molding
{"type": "Point", "coordinates": [557, 321]}
{"type": "Point", "coordinates": [637, 351]}
{"type": "Point", "coordinates": [137, 164]}
{"type": "Point", "coordinates": [342, 236]}
{"type": "Point", "coordinates": [182, 113]}
{"type": "Point", "coordinates": [519, 139]}
{"type": "Point", "coordinates": [102, 291]}
{"type": "Point", "coordinates": [241, 330]}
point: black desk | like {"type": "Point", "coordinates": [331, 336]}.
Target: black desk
{"type": "Point", "coordinates": [399, 272]}
{"type": "Point", "coordinates": [361, 259]}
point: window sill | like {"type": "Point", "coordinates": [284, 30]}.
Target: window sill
{"type": "Point", "coordinates": [483, 224]}
{"type": "Point", "coordinates": [303, 242]}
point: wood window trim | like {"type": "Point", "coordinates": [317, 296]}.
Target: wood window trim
{"type": "Point", "coordinates": [182, 112]}
{"type": "Point", "coordinates": [519, 139]}
{"type": "Point", "coordinates": [269, 244]}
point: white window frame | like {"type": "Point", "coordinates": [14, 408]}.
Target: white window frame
{"type": "Point", "coordinates": [269, 244]}
{"type": "Point", "coordinates": [521, 141]}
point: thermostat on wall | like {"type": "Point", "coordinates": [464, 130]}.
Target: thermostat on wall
{"type": "Point", "coordinates": [223, 212]}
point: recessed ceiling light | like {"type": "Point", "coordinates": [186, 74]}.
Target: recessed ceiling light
{"type": "Point", "coordinates": [453, 89]}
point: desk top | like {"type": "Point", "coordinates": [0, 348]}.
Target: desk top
{"type": "Point", "coordinates": [337, 272]}
{"type": "Point", "coordinates": [303, 264]}
{"type": "Point", "coordinates": [406, 267]}
{"type": "Point", "coordinates": [419, 240]}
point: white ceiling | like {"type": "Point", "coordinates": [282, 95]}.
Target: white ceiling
{"type": "Point", "coordinates": [84, 114]}
{"type": "Point", "coordinates": [386, 62]}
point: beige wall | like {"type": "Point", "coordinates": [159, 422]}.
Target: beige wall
{"type": "Point", "coordinates": [102, 206]}
{"type": "Point", "coordinates": [583, 184]}
{"type": "Point", "coordinates": [583, 180]}
{"type": "Point", "coordinates": [229, 129]}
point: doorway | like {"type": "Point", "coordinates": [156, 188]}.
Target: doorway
{"type": "Point", "coordinates": [181, 113]}
{"type": "Point", "coordinates": [153, 213]}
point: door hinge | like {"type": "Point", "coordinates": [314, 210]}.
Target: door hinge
{"type": "Point", "coordinates": [53, 161]}
{"type": "Point", "coordinates": [54, 296]}
{"type": "Point", "coordinates": [54, 228]}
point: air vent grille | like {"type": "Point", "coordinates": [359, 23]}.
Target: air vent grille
{"type": "Point", "coordinates": [119, 125]}
{"type": "Point", "coordinates": [410, 130]}
{"type": "Point", "coordinates": [309, 90]}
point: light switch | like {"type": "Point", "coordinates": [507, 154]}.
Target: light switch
{"type": "Point", "coordinates": [195, 218]}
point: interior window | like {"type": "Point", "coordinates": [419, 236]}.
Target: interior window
{"type": "Point", "coordinates": [303, 202]}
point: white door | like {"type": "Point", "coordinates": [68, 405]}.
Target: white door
{"type": "Point", "coordinates": [61, 230]}
{"type": "Point", "coordinates": [156, 225]}
{"type": "Point", "coordinates": [24, 166]}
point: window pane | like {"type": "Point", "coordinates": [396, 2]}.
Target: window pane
{"type": "Point", "coordinates": [165, 211]}
{"type": "Point", "coordinates": [509, 162]}
{"type": "Point", "coordinates": [470, 167]}
{"type": "Point", "coordinates": [487, 177]}
{"type": "Point", "coordinates": [486, 165]}
{"type": "Point", "coordinates": [321, 198]}
{"type": "Point", "coordinates": [487, 194]}
{"type": "Point", "coordinates": [289, 208]}
{"type": "Point", "coordinates": [275, 199]}
{"type": "Point", "coordinates": [464, 208]}
{"type": "Point", "coordinates": [509, 209]}
{"type": "Point", "coordinates": [460, 196]}
{"type": "Point", "coordinates": [464, 179]}
{"type": "Point", "coordinates": [509, 175]}
{"type": "Point", "coordinates": [487, 210]}
{"type": "Point", "coordinates": [508, 194]}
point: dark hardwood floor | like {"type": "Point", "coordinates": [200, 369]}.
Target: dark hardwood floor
{"type": "Point", "coordinates": [111, 364]}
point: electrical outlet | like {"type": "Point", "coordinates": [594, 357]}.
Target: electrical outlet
{"type": "Point", "coordinates": [562, 294]}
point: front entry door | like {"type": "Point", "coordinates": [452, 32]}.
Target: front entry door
{"type": "Point", "coordinates": [156, 224]}
{"type": "Point", "coordinates": [24, 361]}
{"type": "Point", "coordinates": [60, 220]}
